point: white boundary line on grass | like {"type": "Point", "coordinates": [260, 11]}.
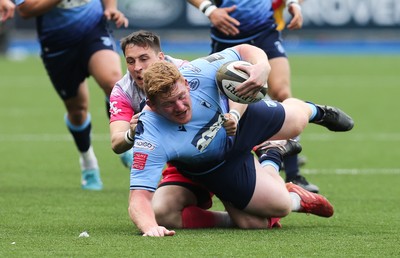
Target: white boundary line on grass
{"type": "Point", "coordinates": [318, 137]}
{"type": "Point", "coordinates": [353, 171]}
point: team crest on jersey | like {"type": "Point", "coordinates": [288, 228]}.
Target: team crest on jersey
{"type": "Point", "coordinates": [144, 145]}
{"type": "Point", "coordinates": [194, 84]}
{"type": "Point", "coordinates": [139, 160]}
{"type": "Point", "coordinates": [68, 4]}
{"type": "Point", "coordinates": [113, 109]}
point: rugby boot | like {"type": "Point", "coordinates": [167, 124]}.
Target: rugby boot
{"type": "Point", "coordinates": [284, 147]}
{"type": "Point", "coordinates": [335, 119]}
{"type": "Point", "coordinates": [302, 181]}
{"type": "Point", "coordinates": [311, 203]}
{"type": "Point", "coordinates": [91, 179]}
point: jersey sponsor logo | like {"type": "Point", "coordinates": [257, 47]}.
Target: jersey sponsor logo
{"type": "Point", "coordinates": [139, 160]}
{"type": "Point", "coordinates": [279, 47]}
{"type": "Point", "coordinates": [68, 4]}
{"type": "Point", "coordinates": [107, 41]}
{"type": "Point", "coordinates": [270, 103]}
{"type": "Point", "coordinates": [181, 128]}
{"type": "Point", "coordinates": [144, 145]}
{"type": "Point", "coordinates": [205, 104]}
{"type": "Point", "coordinates": [190, 67]}
{"type": "Point", "coordinates": [214, 57]}
{"type": "Point", "coordinates": [113, 109]}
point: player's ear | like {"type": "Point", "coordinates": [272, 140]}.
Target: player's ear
{"type": "Point", "coordinates": [161, 56]}
{"type": "Point", "coordinates": [150, 104]}
{"type": "Point", "coordinates": [187, 84]}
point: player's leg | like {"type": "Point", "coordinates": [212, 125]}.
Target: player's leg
{"type": "Point", "coordinates": [78, 121]}
{"type": "Point", "coordinates": [176, 206]}
{"type": "Point", "coordinates": [279, 89]}
{"type": "Point", "coordinates": [180, 203]}
{"type": "Point", "coordinates": [105, 67]}
{"type": "Point", "coordinates": [270, 198]}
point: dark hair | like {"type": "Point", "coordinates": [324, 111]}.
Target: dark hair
{"type": "Point", "coordinates": [142, 38]}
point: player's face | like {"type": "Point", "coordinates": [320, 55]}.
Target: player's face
{"type": "Point", "coordinates": [176, 106]}
{"type": "Point", "coordinates": [138, 59]}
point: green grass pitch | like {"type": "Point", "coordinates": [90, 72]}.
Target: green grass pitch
{"type": "Point", "coordinates": [43, 210]}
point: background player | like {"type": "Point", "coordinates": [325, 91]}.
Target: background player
{"type": "Point", "coordinates": [252, 22]}
{"type": "Point", "coordinates": [76, 42]}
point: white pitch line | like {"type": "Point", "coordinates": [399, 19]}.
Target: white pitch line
{"type": "Point", "coordinates": [47, 137]}
{"type": "Point", "coordinates": [317, 137]}
{"type": "Point", "coordinates": [353, 171]}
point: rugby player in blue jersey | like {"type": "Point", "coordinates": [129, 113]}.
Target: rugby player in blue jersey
{"type": "Point", "coordinates": [182, 125]}
{"type": "Point", "coordinates": [75, 43]}
{"type": "Point", "coordinates": [255, 22]}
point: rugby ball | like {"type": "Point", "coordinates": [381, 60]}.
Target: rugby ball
{"type": "Point", "coordinates": [228, 77]}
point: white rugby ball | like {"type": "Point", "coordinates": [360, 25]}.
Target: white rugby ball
{"type": "Point", "coordinates": [228, 77]}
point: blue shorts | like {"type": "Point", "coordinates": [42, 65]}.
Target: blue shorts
{"type": "Point", "coordinates": [269, 40]}
{"type": "Point", "coordinates": [235, 180]}
{"type": "Point", "coordinates": [68, 68]}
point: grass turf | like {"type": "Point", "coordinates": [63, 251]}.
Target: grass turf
{"type": "Point", "coordinates": [43, 209]}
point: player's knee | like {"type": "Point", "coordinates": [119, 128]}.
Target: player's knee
{"type": "Point", "coordinates": [279, 90]}
{"type": "Point", "coordinates": [167, 216]}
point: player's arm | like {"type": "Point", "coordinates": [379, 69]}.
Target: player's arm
{"type": "Point", "coordinates": [258, 72]}
{"type": "Point", "coordinates": [7, 10]}
{"type": "Point", "coordinates": [142, 214]}
{"type": "Point", "coordinates": [219, 17]}
{"type": "Point", "coordinates": [236, 111]}
{"type": "Point", "coordinates": [32, 8]}
{"type": "Point", "coordinates": [122, 135]}
{"type": "Point", "coordinates": [295, 11]}
{"type": "Point", "coordinates": [112, 13]}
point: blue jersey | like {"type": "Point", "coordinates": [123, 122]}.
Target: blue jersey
{"type": "Point", "coordinates": [255, 16]}
{"type": "Point", "coordinates": [67, 23]}
{"type": "Point", "coordinates": [200, 143]}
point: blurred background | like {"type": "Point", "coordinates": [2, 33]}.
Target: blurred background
{"type": "Point", "coordinates": [330, 26]}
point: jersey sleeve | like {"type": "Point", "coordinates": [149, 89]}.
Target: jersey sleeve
{"type": "Point", "coordinates": [149, 158]}
{"type": "Point", "coordinates": [120, 106]}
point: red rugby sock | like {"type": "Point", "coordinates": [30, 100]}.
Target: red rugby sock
{"type": "Point", "coordinates": [195, 217]}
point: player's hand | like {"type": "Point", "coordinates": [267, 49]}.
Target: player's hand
{"type": "Point", "coordinates": [133, 123]}
{"type": "Point", "coordinates": [221, 20]}
{"type": "Point", "coordinates": [116, 16]}
{"type": "Point", "coordinates": [297, 18]}
{"type": "Point", "coordinates": [258, 74]}
{"type": "Point", "coordinates": [159, 231]}
{"type": "Point", "coordinates": [230, 124]}
{"type": "Point", "coordinates": [7, 10]}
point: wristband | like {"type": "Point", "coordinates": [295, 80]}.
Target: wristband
{"type": "Point", "coordinates": [204, 5]}
{"type": "Point", "coordinates": [235, 114]}
{"type": "Point", "coordinates": [294, 2]}
{"type": "Point", "coordinates": [209, 10]}
{"type": "Point", "coordinates": [128, 138]}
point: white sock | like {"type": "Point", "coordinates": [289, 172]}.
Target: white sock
{"type": "Point", "coordinates": [295, 201]}
{"type": "Point", "coordinates": [88, 160]}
